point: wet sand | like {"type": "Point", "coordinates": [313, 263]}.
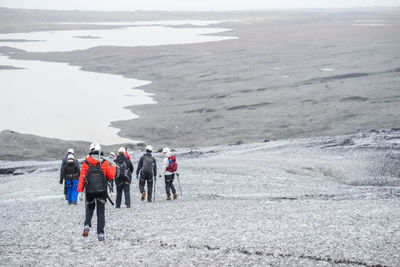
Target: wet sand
{"type": "Point", "coordinates": [271, 83]}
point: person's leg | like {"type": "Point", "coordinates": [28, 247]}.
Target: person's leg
{"type": "Point", "coordinates": [127, 193]}
{"type": "Point", "coordinates": [69, 191]}
{"type": "Point", "coordinates": [100, 203]}
{"type": "Point", "coordinates": [167, 187]}
{"type": "Point", "coordinates": [90, 206]}
{"type": "Point", "coordinates": [149, 187]}
{"type": "Point", "coordinates": [119, 196]}
{"type": "Point", "coordinates": [75, 191]}
{"type": "Point", "coordinates": [142, 182]}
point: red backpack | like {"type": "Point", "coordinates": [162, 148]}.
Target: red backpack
{"type": "Point", "coordinates": [172, 166]}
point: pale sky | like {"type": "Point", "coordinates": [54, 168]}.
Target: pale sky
{"type": "Point", "coordinates": [199, 5]}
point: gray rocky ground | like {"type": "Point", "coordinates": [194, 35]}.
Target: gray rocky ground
{"type": "Point", "coordinates": [311, 202]}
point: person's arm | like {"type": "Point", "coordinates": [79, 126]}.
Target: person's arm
{"type": "Point", "coordinates": [82, 175]}
{"type": "Point", "coordinates": [62, 175]}
{"type": "Point", "coordinates": [130, 165]}
{"type": "Point", "coordinates": [62, 167]}
{"type": "Point", "coordinates": [109, 170]}
{"type": "Point", "coordinates": [139, 166]}
{"type": "Point", "coordinates": [78, 168]}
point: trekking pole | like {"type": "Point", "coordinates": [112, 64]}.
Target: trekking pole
{"type": "Point", "coordinates": [180, 188]}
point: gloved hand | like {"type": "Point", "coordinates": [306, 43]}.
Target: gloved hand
{"type": "Point", "coordinates": [80, 196]}
{"type": "Point", "coordinates": [113, 164]}
{"type": "Point", "coordinates": [61, 183]}
{"type": "Point", "coordinates": [159, 175]}
{"type": "Point", "coordinates": [137, 176]}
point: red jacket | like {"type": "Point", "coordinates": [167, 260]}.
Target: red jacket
{"type": "Point", "coordinates": [109, 171]}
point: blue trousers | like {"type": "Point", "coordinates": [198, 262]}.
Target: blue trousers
{"type": "Point", "coordinates": [72, 191]}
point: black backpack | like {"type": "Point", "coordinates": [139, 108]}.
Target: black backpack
{"type": "Point", "coordinates": [147, 164]}
{"type": "Point", "coordinates": [95, 179]}
{"type": "Point", "coordinates": [122, 168]}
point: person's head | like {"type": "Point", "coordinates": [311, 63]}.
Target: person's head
{"type": "Point", "coordinates": [71, 157]}
{"type": "Point", "coordinates": [121, 151]}
{"type": "Point", "coordinates": [70, 151]}
{"type": "Point", "coordinates": [149, 149]}
{"type": "Point", "coordinates": [166, 151]}
{"type": "Point", "coordinates": [95, 148]}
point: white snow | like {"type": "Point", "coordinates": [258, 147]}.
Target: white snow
{"type": "Point", "coordinates": [310, 202]}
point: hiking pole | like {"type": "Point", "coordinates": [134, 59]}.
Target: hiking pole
{"type": "Point", "coordinates": [180, 188]}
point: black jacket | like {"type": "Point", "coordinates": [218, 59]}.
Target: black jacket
{"type": "Point", "coordinates": [140, 164]}
{"type": "Point", "coordinates": [122, 158]}
{"type": "Point", "coordinates": [70, 171]}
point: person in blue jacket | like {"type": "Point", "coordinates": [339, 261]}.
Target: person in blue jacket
{"type": "Point", "coordinates": [68, 184]}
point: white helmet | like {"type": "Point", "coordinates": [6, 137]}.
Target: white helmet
{"type": "Point", "coordinates": [149, 148]}
{"type": "Point", "coordinates": [166, 150]}
{"type": "Point", "coordinates": [70, 151]}
{"type": "Point", "coordinates": [112, 154]}
{"type": "Point", "coordinates": [70, 156]}
{"type": "Point", "coordinates": [121, 150]}
{"type": "Point", "coordinates": [95, 147]}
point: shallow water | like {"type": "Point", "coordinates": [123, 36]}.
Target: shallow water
{"type": "Point", "coordinates": [69, 40]}
{"type": "Point", "coordinates": [58, 100]}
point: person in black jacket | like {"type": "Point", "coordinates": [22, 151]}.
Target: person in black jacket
{"type": "Point", "coordinates": [147, 168]}
{"type": "Point", "coordinates": [123, 178]}
{"type": "Point", "coordinates": [70, 173]}
{"type": "Point", "coordinates": [63, 162]}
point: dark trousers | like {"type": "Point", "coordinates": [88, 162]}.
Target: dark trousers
{"type": "Point", "coordinates": [123, 185]}
{"type": "Point", "coordinates": [169, 179]}
{"type": "Point", "coordinates": [93, 200]}
{"type": "Point", "coordinates": [144, 176]}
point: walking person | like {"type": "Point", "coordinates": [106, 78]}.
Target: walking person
{"type": "Point", "coordinates": [169, 168]}
{"type": "Point", "coordinates": [124, 178]}
{"type": "Point", "coordinates": [70, 174]}
{"type": "Point", "coordinates": [94, 174]}
{"type": "Point", "coordinates": [147, 168]}
{"type": "Point", "coordinates": [70, 151]}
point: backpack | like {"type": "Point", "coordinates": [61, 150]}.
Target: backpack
{"type": "Point", "coordinates": [71, 171]}
{"type": "Point", "coordinates": [95, 179]}
{"type": "Point", "coordinates": [173, 166]}
{"type": "Point", "coordinates": [147, 164]}
{"type": "Point", "coordinates": [123, 169]}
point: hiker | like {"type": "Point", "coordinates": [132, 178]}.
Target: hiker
{"type": "Point", "coordinates": [147, 168]}
{"type": "Point", "coordinates": [70, 173]}
{"type": "Point", "coordinates": [63, 162]}
{"type": "Point", "coordinates": [124, 178]}
{"type": "Point", "coordinates": [94, 174]}
{"type": "Point", "coordinates": [169, 168]}
{"type": "Point", "coordinates": [111, 183]}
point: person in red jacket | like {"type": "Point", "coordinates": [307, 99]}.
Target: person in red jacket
{"type": "Point", "coordinates": [96, 188]}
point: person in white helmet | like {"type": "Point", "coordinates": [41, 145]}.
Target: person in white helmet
{"type": "Point", "coordinates": [70, 151]}
{"type": "Point", "coordinates": [71, 172]}
{"type": "Point", "coordinates": [124, 178]}
{"type": "Point", "coordinates": [147, 168]}
{"type": "Point", "coordinates": [168, 172]}
{"type": "Point", "coordinates": [94, 174]}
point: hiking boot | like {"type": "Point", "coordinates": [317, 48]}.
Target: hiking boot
{"type": "Point", "coordinates": [128, 205]}
{"type": "Point", "coordinates": [175, 196]}
{"type": "Point", "coordinates": [101, 237]}
{"type": "Point", "coordinates": [86, 230]}
{"type": "Point", "coordinates": [168, 198]}
{"type": "Point", "coordinates": [117, 207]}
{"type": "Point", "coordinates": [143, 196]}
{"type": "Point", "coordinates": [73, 203]}
{"type": "Point", "coordinates": [65, 196]}
{"type": "Point", "coordinates": [149, 200]}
